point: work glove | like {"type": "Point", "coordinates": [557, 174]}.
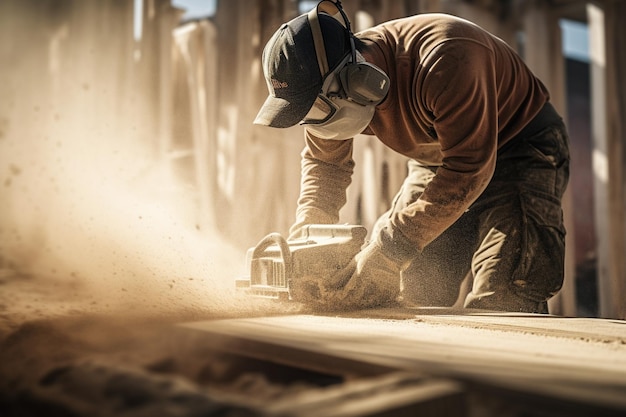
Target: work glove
{"type": "Point", "coordinates": [371, 279]}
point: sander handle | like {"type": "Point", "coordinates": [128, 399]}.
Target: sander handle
{"type": "Point", "coordinates": [283, 246]}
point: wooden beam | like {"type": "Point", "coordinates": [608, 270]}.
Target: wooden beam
{"type": "Point", "coordinates": [608, 65]}
{"type": "Point", "coordinates": [535, 364]}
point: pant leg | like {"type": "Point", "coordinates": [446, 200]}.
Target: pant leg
{"type": "Point", "coordinates": [519, 262]}
{"type": "Point", "coordinates": [435, 275]}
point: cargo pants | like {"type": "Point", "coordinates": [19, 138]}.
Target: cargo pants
{"type": "Point", "coordinates": [510, 243]}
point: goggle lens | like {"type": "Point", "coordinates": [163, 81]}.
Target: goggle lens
{"type": "Point", "coordinates": [321, 111]}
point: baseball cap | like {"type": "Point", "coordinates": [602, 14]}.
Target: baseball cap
{"type": "Point", "coordinates": [291, 69]}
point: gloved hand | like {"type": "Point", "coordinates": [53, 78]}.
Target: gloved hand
{"type": "Point", "coordinates": [371, 279]}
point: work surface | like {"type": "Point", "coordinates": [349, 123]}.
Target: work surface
{"type": "Point", "coordinates": [566, 360]}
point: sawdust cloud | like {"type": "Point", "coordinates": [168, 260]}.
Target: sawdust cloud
{"type": "Point", "coordinates": [89, 213]}
{"type": "Point", "coordinates": [103, 247]}
{"type": "Point", "coordinates": [115, 241]}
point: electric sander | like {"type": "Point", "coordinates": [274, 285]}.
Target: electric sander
{"type": "Point", "coordinates": [280, 268]}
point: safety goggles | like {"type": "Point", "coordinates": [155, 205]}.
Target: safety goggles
{"type": "Point", "coordinates": [323, 110]}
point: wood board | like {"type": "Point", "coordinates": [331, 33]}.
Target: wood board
{"type": "Point", "coordinates": [573, 364]}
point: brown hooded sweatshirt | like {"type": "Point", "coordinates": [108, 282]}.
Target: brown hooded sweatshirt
{"type": "Point", "coordinates": [457, 94]}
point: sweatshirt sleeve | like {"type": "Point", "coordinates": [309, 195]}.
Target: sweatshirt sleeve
{"type": "Point", "coordinates": [327, 167]}
{"type": "Point", "coordinates": [459, 89]}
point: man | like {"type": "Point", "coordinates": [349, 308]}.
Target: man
{"type": "Point", "coordinates": [488, 153]}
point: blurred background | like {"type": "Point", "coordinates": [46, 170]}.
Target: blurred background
{"type": "Point", "coordinates": [131, 121]}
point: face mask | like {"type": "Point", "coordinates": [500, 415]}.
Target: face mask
{"type": "Point", "coordinates": [333, 116]}
{"type": "Point", "coordinates": [348, 120]}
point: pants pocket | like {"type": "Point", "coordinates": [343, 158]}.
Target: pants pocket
{"type": "Point", "coordinates": [520, 260]}
{"type": "Point", "coordinates": [541, 270]}
{"type": "Point", "coordinates": [549, 159]}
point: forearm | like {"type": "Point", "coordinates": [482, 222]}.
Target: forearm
{"type": "Point", "coordinates": [411, 228]}
{"type": "Point", "coordinates": [326, 173]}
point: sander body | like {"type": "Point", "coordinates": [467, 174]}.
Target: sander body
{"type": "Point", "coordinates": [276, 266]}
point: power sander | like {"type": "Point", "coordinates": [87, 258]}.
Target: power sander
{"type": "Point", "coordinates": [278, 268]}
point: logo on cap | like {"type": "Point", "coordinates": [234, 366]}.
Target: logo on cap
{"type": "Point", "coordinates": [279, 84]}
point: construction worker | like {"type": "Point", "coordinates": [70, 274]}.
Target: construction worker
{"type": "Point", "coordinates": [489, 158]}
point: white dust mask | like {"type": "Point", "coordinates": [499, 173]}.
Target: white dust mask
{"type": "Point", "coordinates": [335, 116]}
{"type": "Point", "coordinates": [347, 120]}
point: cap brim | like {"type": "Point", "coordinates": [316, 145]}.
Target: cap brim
{"type": "Point", "coordinates": [278, 112]}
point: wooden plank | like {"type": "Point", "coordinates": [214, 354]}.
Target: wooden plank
{"type": "Point", "coordinates": [581, 363]}
{"type": "Point", "coordinates": [394, 395]}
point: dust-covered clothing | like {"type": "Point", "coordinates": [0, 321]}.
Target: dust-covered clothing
{"type": "Point", "coordinates": [457, 96]}
{"type": "Point", "coordinates": [511, 241]}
